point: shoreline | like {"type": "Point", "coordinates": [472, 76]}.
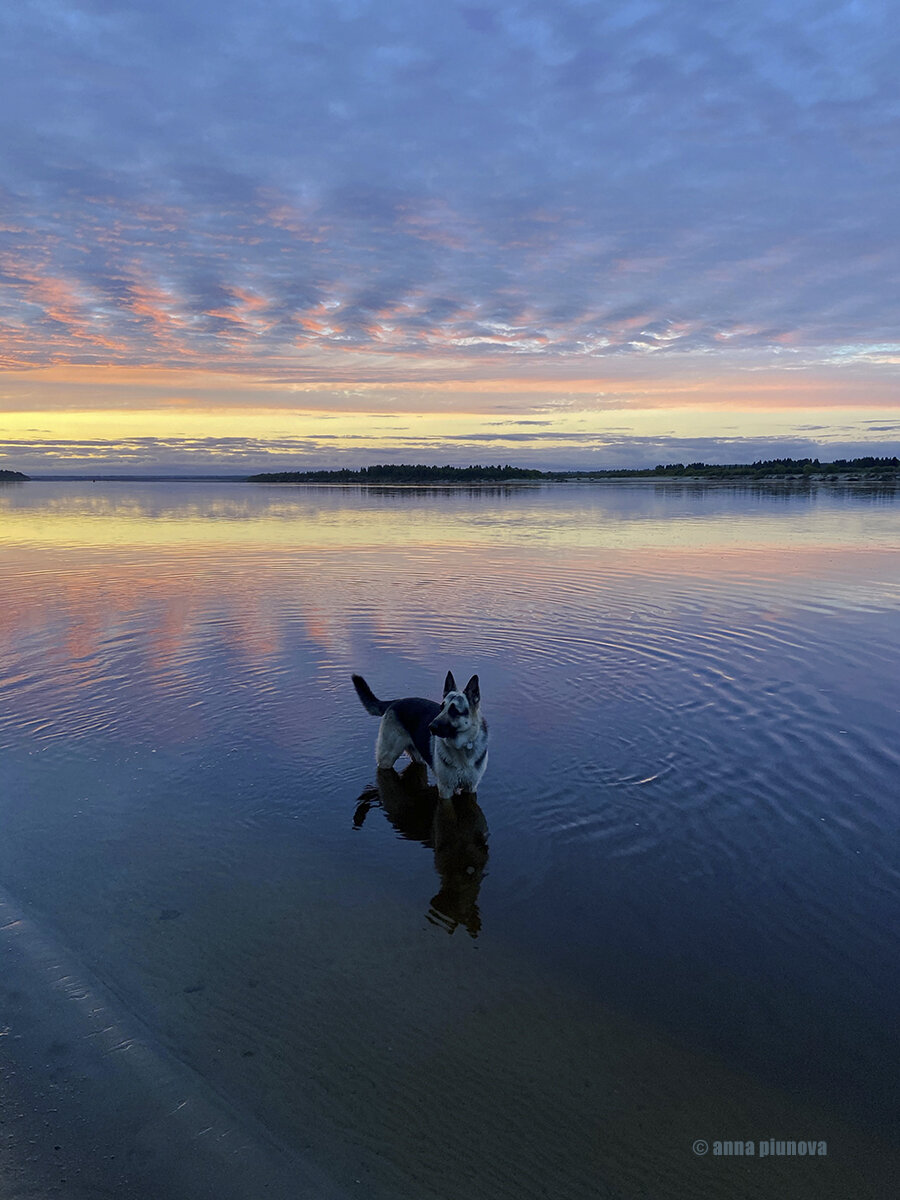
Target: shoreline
{"type": "Point", "coordinates": [571, 481]}
{"type": "Point", "coordinates": [578, 482]}
{"type": "Point", "coordinates": [92, 1105]}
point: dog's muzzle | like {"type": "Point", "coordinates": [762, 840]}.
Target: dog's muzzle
{"type": "Point", "coordinates": [441, 729]}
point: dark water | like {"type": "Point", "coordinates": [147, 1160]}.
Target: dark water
{"type": "Point", "coordinates": [681, 923]}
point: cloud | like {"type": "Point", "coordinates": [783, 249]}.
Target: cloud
{"type": "Point", "coordinates": [280, 187]}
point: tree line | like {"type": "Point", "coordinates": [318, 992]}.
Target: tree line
{"type": "Point", "coordinates": [403, 473]}
{"type": "Point", "coordinates": [397, 473]}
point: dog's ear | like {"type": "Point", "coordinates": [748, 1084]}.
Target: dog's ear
{"type": "Point", "coordinates": [473, 692]}
{"type": "Point", "coordinates": [449, 683]}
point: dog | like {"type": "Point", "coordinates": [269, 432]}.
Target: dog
{"type": "Point", "coordinates": [450, 737]}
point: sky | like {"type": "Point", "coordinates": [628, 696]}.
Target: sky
{"type": "Point", "coordinates": [283, 234]}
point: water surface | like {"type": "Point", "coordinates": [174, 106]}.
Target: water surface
{"type": "Point", "coordinates": [669, 917]}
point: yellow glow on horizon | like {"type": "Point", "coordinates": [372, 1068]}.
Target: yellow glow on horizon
{"type": "Point", "coordinates": [368, 430]}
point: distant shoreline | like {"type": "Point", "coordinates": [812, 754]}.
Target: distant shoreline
{"type": "Point", "coordinates": [565, 480]}
{"type": "Point", "coordinates": [780, 471]}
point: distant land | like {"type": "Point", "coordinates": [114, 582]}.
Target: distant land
{"type": "Point", "coordinates": [789, 470]}
{"type": "Point", "coordinates": [887, 469]}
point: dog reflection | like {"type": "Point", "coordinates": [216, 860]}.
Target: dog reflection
{"type": "Point", "coordinates": [455, 829]}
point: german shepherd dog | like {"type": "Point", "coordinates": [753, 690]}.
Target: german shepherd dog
{"type": "Point", "coordinates": [450, 737]}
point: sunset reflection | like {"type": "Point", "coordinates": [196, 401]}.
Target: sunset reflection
{"type": "Point", "coordinates": [193, 588]}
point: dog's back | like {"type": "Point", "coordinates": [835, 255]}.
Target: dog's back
{"type": "Point", "coordinates": [407, 719]}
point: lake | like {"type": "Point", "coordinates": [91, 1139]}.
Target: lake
{"type": "Point", "coordinates": [238, 964]}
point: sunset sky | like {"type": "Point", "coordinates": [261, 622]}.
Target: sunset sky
{"type": "Point", "coordinates": [306, 233]}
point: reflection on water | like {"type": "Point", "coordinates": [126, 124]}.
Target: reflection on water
{"type": "Point", "coordinates": [456, 830]}
{"type": "Point", "coordinates": [686, 923]}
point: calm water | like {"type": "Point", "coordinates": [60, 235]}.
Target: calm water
{"type": "Point", "coordinates": [680, 925]}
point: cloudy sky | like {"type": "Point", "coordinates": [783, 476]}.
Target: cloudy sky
{"type": "Point", "coordinates": [303, 233]}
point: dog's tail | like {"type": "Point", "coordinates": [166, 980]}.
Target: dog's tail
{"type": "Point", "coordinates": [370, 701]}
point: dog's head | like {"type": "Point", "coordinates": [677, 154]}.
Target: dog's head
{"type": "Point", "coordinates": [459, 712]}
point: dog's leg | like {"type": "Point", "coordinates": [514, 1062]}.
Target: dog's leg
{"type": "Point", "coordinates": [392, 740]}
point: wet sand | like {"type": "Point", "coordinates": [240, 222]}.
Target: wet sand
{"type": "Point", "coordinates": [90, 1107]}
{"type": "Point", "coordinates": [458, 1084]}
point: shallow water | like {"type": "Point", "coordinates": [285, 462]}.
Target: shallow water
{"type": "Point", "coordinates": [681, 924]}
